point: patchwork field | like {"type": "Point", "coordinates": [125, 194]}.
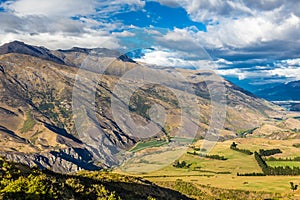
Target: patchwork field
{"type": "Point", "coordinates": [223, 173]}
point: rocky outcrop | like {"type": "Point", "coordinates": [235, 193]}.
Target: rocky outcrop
{"type": "Point", "coordinates": [63, 160]}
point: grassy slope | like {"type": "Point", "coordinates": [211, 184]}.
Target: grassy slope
{"type": "Point", "coordinates": [28, 123]}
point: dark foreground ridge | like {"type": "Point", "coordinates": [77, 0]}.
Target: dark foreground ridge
{"type": "Point", "coordinates": [21, 182]}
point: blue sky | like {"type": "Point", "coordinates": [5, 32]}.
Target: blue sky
{"type": "Point", "coordinates": [252, 43]}
{"type": "Point", "coordinates": [157, 15]}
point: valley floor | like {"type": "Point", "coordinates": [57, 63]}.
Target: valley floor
{"type": "Point", "coordinates": [210, 174]}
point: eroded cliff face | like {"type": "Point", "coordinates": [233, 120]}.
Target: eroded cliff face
{"type": "Point", "coordinates": [39, 124]}
{"type": "Point", "coordinates": [63, 161]}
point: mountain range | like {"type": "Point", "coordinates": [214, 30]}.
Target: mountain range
{"type": "Point", "coordinates": [283, 92]}
{"type": "Point", "coordinates": [38, 123]}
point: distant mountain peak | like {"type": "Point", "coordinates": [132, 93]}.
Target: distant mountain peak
{"type": "Point", "coordinates": [75, 49]}
{"type": "Point", "coordinates": [23, 48]}
{"type": "Point", "coordinates": [59, 55]}
{"type": "Point", "coordinates": [289, 91]}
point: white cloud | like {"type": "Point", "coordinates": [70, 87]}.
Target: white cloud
{"type": "Point", "coordinates": [55, 33]}
{"type": "Point", "coordinates": [49, 23]}
{"type": "Point", "coordinates": [162, 58]}
{"type": "Point", "coordinates": [287, 72]}
{"type": "Point", "coordinates": [233, 72]}
{"type": "Point", "coordinates": [51, 8]}
{"type": "Point", "coordinates": [222, 61]}
{"type": "Point", "coordinates": [108, 7]}
{"type": "Point", "coordinates": [264, 34]}
{"type": "Point", "coordinates": [292, 62]}
{"type": "Point", "coordinates": [69, 8]}
{"type": "Point", "coordinates": [216, 10]}
{"type": "Point", "coordinates": [245, 73]}
{"type": "Point", "coordinates": [242, 24]}
{"type": "Point", "coordinates": [207, 10]}
{"type": "Point", "coordinates": [289, 68]}
{"type": "Point", "coordinates": [167, 58]}
{"type": "Point", "coordinates": [62, 41]}
{"type": "Point", "coordinates": [123, 34]}
{"type": "Point", "coordinates": [170, 3]}
{"type": "Point", "coordinates": [187, 39]}
{"type": "Point", "coordinates": [152, 32]}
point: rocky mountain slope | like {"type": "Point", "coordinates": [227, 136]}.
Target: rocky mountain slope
{"type": "Point", "coordinates": [43, 123]}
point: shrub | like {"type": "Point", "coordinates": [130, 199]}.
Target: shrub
{"type": "Point", "coordinates": [216, 157]}
{"type": "Point", "coordinates": [251, 174]}
{"type": "Point", "coordinates": [182, 164]}
{"type": "Point", "coordinates": [297, 145]}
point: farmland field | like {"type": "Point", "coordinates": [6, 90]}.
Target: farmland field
{"type": "Point", "coordinates": [223, 173]}
{"type": "Point", "coordinates": [283, 163]}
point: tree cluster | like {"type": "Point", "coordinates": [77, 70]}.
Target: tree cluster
{"type": "Point", "coordinates": [269, 152]}
{"type": "Point", "coordinates": [216, 157]}
{"type": "Point", "coordinates": [234, 147]}
{"type": "Point", "coordinates": [279, 170]}
{"type": "Point", "coordinates": [297, 159]}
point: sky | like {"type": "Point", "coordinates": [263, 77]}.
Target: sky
{"type": "Point", "coordinates": [252, 43]}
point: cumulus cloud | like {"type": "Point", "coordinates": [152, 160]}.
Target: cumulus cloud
{"type": "Point", "coordinates": [64, 24]}
{"type": "Point", "coordinates": [108, 7]}
{"type": "Point", "coordinates": [217, 10]}
{"type": "Point", "coordinates": [290, 73]}
{"type": "Point", "coordinates": [222, 61]}
{"type": "Point", "coordinates": [244, 73]}
{"type": "Point", "coordinates": [35, 24]}
{"type": "Point", "coordinates": [51, 8]}
{"type": "Point", "coordinates": [69, 8]}
{"type": "Point", "coordinates": [292, 62]}
{"type": "Point", "coordinates": [167, 58]}
{"type": "Point", "coordinates": [284, 70]}
{"type": "Point", "coordinates": [180, 39]}
{"type": "Point", "coordinates": [240, 33]}
{"type": "Point", "coordinates": [62, 41]}
{"type": "Point", "coordinates": [53, 33]}
{"type": "Point", "coordinates": [123, 34]}
{"type": "Point", "coordinates": [243, 27]}
{"type": "Point", "coordinates": [289, 69]}
{"type": "Point", "coordinates": [210, 10]}
{"type": "Point", "coordinates": [233, 72]}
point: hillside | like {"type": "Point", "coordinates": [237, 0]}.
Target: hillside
{"type": "Point", "coordinates": [39, 124]}
{"type": "Point", "coordinates": [21, 182]}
